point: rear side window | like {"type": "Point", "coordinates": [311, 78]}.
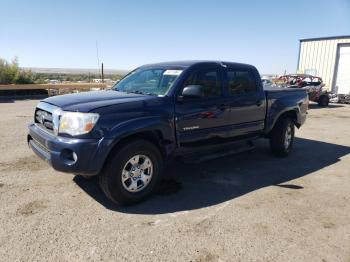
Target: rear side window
{"type": "Point", "coordinates": [241, 82]}
{"type": "Point", "coordinates": [209, 79]}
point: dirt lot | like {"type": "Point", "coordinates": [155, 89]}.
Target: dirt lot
{"type": "Point", "coordinates": [247, 207]}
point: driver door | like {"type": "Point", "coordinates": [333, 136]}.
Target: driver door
{"type": "Point", "coordinates": [200, 119]}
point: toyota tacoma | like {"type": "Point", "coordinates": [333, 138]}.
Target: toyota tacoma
{"type": "Point", "coordinates": [193, 109]}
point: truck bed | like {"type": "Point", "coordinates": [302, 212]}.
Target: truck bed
{"type": "Point", "coordinates": [280, 100]}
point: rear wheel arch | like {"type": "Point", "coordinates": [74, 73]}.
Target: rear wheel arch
{"type": "Point", "coordinates": [292, 114]}
{"type": "Point", "coordinates": [282, 136]}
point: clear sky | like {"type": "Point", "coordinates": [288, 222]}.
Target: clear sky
{"type": "Point", "coordinates": [63, 33]}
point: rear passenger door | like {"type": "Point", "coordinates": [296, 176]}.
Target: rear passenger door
{"type": "Point", "coordinates": [247, 101]}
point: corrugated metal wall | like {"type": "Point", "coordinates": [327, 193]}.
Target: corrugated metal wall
{"type": "Point", "coordinates": [319, 57]}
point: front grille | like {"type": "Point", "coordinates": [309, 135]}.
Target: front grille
{"type": "Point", "coordinates": [46, 116]}
{"type": "Point", "coordinates": [44, 119]}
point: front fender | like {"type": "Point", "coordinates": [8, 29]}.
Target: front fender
{"type": "Point", "coordinates": [165, 127]}
{"type": "Point", "coordinates": [147, 123]}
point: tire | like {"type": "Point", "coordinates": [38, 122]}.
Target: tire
{"type": "Point", "coordinates": [120, 187]}
{"type": "Point", "coordinates": [323, 101]}
{"type": "Point", "coordinates": [278, 137]}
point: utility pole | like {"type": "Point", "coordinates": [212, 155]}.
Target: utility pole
{"type": "Point", "coordinates": [102, 76]}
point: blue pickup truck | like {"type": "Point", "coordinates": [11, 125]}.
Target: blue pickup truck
{"type": "Point", "coordinates": [193, 109]}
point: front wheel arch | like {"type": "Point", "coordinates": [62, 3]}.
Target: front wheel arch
{"type": "Point", "coordinates": [110, 179]}
{"type": "Point", "coordinates": [155, 137]}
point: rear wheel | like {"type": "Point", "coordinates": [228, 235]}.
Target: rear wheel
{"type": "Point", "coordinates": [132, 173]}
{"type": "Point", "coordinates": [282, 137]}
{"type": "Point", "coordinates": [323, 100]}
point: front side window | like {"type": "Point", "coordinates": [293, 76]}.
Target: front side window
{"type": "Point", "coordinates": [148, 81]}
{"type": "Point", "coordinates": [209, 79]}
{"type": "Point", "coordinates": [240, 82]}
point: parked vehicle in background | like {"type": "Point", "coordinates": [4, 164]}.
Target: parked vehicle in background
{"type": "Point", "coordinates": [192, 110]}
{"type": "Point", "coordinates": [344, 99]}
{"type": "Point", "coordinates": [313, 84]}
{"type": "Point", "coordinates": [266, 82]}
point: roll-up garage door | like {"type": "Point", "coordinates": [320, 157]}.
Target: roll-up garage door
{"type": "Point", "coordinates": [342, 83]}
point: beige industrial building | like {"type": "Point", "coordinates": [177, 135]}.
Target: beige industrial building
{"type": "Point", "coordinates": [328, 58]}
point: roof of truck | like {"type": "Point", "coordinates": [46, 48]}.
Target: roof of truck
{"type": "Point", "coordinates": [188, 63]}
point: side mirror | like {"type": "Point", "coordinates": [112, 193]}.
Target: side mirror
{"type": "Point", "coordinates": [192, 91]}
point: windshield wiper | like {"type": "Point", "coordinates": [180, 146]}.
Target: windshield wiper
{"type": "Point", "coordinates": [135, 92]}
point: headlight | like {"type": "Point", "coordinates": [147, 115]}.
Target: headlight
{"type": "Point", "coordinates": [75, 123]}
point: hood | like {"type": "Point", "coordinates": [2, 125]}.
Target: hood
{"type": "Point", "coordinates": [87, 101]}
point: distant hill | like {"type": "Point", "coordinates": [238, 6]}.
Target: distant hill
{"type": "Point", "coordinates": [74, 71]}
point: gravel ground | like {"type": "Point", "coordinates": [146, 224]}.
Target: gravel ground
{"type": "Point", "coordinates": [247, 207]}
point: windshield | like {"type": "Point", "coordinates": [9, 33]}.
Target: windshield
{"type": "Point", "coordinates": [148, 81]}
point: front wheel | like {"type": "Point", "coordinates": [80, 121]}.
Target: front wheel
{"type": "Point", "coordinates": [132, 173]}
{"type": "Point", "coordinates": [282, 137]}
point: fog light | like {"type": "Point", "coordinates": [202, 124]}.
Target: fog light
{"type": "Point", "coordinates": [69, 157]}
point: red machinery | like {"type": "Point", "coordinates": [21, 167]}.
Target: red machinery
{"type": "Point", "coordinates": [313, 84]}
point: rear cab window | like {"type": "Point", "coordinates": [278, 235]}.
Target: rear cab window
{"type": "Point", "coordinates": [241, 81]}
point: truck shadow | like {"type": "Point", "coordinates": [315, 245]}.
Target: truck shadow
{"type": "Point", "coordinates": [316, 106]}
{"type": "Point", "coordinates": [217, 181]}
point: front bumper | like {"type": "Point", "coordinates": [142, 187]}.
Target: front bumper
{"type": "Point", "coordinates": [71, 155]}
